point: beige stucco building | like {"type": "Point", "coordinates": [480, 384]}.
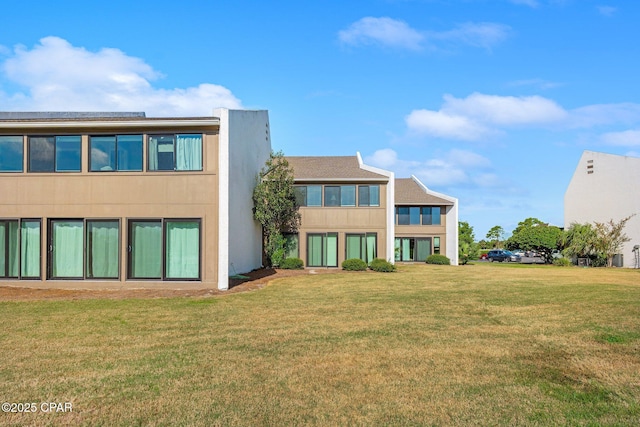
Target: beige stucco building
{"type": "Point", "coordinates": [353, 210]}
{"type": "Point", "coordinates": [122, 200]}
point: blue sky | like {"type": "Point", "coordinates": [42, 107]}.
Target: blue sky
{"type": "Point", "coordinates": [491, 102]}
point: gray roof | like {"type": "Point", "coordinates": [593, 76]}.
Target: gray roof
{"type": "Point", "coordinates": [408, 192]}
{"type": "Point", "coordinates": [332, 168]}
{"type": "Point", "coordinates": [73, 115]}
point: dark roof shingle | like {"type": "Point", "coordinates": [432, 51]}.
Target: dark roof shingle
{"type": "Point", "coordinates": [408, 192]}
{"type": "Point", "coordinates": [330, 168]}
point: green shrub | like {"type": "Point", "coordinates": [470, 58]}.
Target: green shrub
{"type": "Point", "coordinates": [562, 262]}
{"type": "Point", "coordinates": [438, 259]}
{"type": "Point", "coordinates": [354, 264]}
{"type": "Point", "coordinates": [292, 264]}
{"type": "Point", "coordinates": [382, 266]}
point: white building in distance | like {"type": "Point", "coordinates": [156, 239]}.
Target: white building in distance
{"type": "Point", "coordinates": [606, 187]}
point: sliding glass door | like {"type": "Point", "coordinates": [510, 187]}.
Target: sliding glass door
{"type": "Point", "coordinates": [363, 246]}
{"type": "Point", "coordinates": [412, 248]}
{"type": "Point", "coordinates": [103, 249]}
{"type": "Point", "coordinates": [164, 249]}
{"type": "Point", "coordinates": [145, 249]}
{"type": "Point", "coordinates": [20, 248]}
{"type": "Point", "coordinates": [78, 249]}
{"type": "Point", "coordinates": [67, 249]}
{"type": "Point", "coordinates": [182, 249]}
{"type": "Point", "coordinates": [322, 250]}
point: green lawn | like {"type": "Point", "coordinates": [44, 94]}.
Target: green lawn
{"type": "Point", "coordinates": [427, 345]}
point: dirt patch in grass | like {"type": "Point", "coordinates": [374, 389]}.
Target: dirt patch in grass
{"type": "Point", "coordinates": [256, 279]}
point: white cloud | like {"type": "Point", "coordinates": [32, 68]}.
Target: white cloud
{"type": "Point", "coordinates": [443, 124]}
{"type": "Point", "coordinates": [484, 34]}
{"type": "Point", "coordinates": [61, 77]}
{"type": "Point", "coordinates": [472, 118]}
{"type": "Point", "coordinates": [456, 167]}
{"type": "Point", "coordinates": [383, 31]}
{"type": "Point", "coordinates": [394, 33]}
{"type": "Point", "coordinates": [506, 110]}
{"type": "Point", "coordinates": [628, 138]}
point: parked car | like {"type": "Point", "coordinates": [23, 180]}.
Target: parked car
{"type": "Point", "coordinates": [518, 252]}
{"type": "Point", "coordinates": [502, 256]}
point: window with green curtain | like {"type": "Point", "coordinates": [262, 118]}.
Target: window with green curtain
{"type": "Point", "coordinates": [103, 249]}
{"type": "Point", "coordinates": [4, 228]}
{"type": "Point", "coordinates": [14, 249]}
{"type": "Point", "coordinates": [332, 250]}
{"type": "Point", "coordinates": [182, 249]}
{"type": "Point", "coordinates": [423, 249]}
{"type": "Point", "coordinates": [354, 246]}
{"type": "Point", "coordinates": [314, 250]}
{"type": "Point", "coordinates": [397, 249]}
{"type": "Point", "coordinates": [30, 249]}
{"type": "Point", "coordinates": [67, 248]}
{"type": "Point", "coordinates": [145, 241]}
{"type": "Point", "coordinates": [161, 153]}
{"type": "Point", "coordinates": [371, 247]}
{"type": "Point", "coordinates": [436, 245]}
{"type": "Point", "coordinates": [189, 152]}
{"type": "Point", "coordinates": [407, 249]}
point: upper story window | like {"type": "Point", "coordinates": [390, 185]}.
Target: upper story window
{"type": "Point", "coordinates": [309, 195]}
{"type": "Point", "coordinates": [415, 215]}
{"type": "Point", "coordinates": [339, 195]}
{"type": "Point", "coordinates": [431, 215]}
{"type": "Point", "coordinates": [11, 153]}
{"type": "Point", "coordinates": [175, 152]}
{"type": "Point", "coordinates": [116, 153]}
{"type": "Point", "coordinates": [368, 195]}
{"type": "Point", "coordinates": [55, 153]}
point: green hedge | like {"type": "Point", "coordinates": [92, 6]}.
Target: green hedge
{"type": "Point", "coordinates": [562, 262]}
{"type": "Point", "coordinates": [292, 264]}
{"type": "Point", "coordinates": [382, 266]}
{"type": "Point", "coordinates": [438, 259]}
{"type": "Point", "coordinates": [354, 264]}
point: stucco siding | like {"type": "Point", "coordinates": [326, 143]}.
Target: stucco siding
{"type": "Point", "coordinates": [606, 187]}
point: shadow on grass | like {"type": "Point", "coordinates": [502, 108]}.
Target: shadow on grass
{"type": "Point", "coordinates": [251, 276]}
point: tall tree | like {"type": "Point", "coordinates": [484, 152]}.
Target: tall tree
{"type": "Point", "coordinates": [580, 240]}
{"type": "Point", "coordinates": [535, 235]}
{"type": "Point", "coordinates": [467, 247]}
{"type": "Point", "coordinates": [275, 206]}
{"type": "Point", "coordinates": [496, 235]}
{"type": "Point", "coordinates": [611, 237]}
